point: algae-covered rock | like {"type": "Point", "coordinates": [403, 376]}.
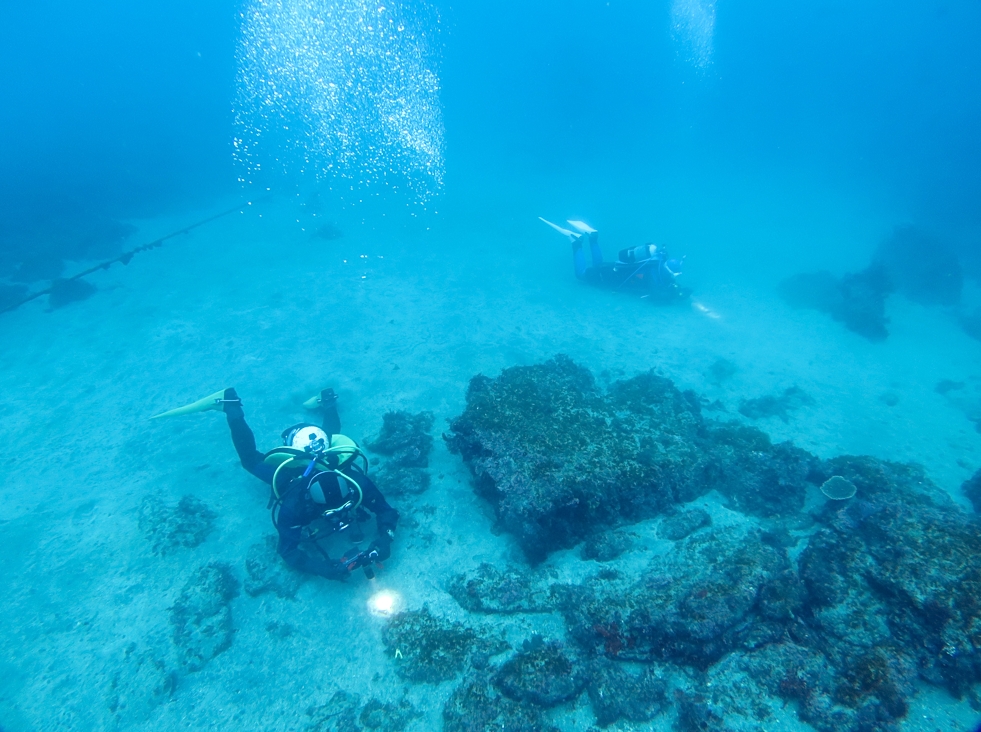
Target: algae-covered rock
{"type": "Point", "coordinates": [683, 523]}
{"type": "Point", "coordinates": [606, 545]}
{"type": "Point", "coordinates": [266, 571]}
{"type": "Point", "coordinates": [781, 405]}
{"type": "Point", "coordinates": [691, 606]}
{"type": "Point", "coordinates": [615, 693]}
{"type": "Point", "coordinates": [201, 616]}
{"type": "Point", "coordinates": [542, 673]}
{"type": "Point", "coordinates": [489, 590]}
{"type": "Point", "coordinates": [168, 528]}
{"type": "Point", "coordinates": [477, 706]}
{"type": "Point", "coordinates": [428, 649]}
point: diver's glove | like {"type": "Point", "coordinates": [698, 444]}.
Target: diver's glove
{"type": "Point", "coordinates": [381, 548]}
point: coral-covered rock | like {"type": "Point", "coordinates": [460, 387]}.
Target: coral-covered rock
{"type": "Point", "coordinates": [717, 591]}
{"type": "Point", "coordinates": [606, 545]}
{"type": "Point", "coordinates": [615, 693]}
{"type": "Point", "coordinates": [558, 458]}
{"type": "Point", "coordinates": [404, 438]}
{"type": "Point", "coordinates": [477, 706]}
{"type": "Point", "coordinates": [756, 476]}
{"type": "Point", "coordinates": [897, 567]}
{"type": "Point", "coordinates": [202, 617]}
{"type": "Point", "coordinates": [427, 649]}
{"type": "Point", "coordinates": [542, 673]}
{"type": "Point", "coordinates": [489, 590]}
{"type": "Point", "coordinates": [561, 460]}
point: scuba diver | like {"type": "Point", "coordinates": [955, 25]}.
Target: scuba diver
{"type": "Point", "coordinates": [319, 489]}
{"type": "Point", "coordinates": [647, 268]}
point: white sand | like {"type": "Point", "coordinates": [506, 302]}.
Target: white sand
{"type": "Point", "coordinates": [392, 317]}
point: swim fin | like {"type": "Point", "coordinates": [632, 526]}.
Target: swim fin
{"type": "Point", "coordinates": [214, 402]}
{"type": "Point", "coordinates": [572, 235]}
{"type": "Point", "coordinates": [322, 399]}
{"type": "Point", "coordinates": [581, 226]}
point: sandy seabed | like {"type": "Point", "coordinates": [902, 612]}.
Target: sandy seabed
{"type": "Point", "coordinates": [391, 318]}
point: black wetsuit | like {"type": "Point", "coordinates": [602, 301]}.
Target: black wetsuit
{"type": "Point", "coordinates": [651, 276]}
{"type": "Point", "coordinates": [297, 509]}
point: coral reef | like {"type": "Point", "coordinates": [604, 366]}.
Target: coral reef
{"type": "Point", "coordinates": [429, 650]}
{"type": "Point", "coordinates": [780, 406]}
{"type": "Point", "coordinates": [404, 438]}
{"type": "Point", "coordinates": [168, 528]}
{"type": "Point", "coordinates": [883, 590]}
{"type": "Point", "coordinates": [489, 590]}
{"type": "Point", "coordinates": [202, 616]}
{"type": "Point", "coordinates": [266, 571]}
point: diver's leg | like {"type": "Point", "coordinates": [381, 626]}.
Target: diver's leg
{"type": "Point", "coordinates": [578, 258]}
{"type": "Point", "coordinates": [244, 439]}
{"type": "Point", "coordinates": [328, 409]}
{"type": "Point", "coordinates": [594, 249]}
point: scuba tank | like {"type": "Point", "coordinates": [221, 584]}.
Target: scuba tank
{"type": "Point", "coordinates": [636, 255]}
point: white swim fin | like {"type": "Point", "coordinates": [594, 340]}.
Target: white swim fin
{"type": "Point", "coordinates": [582, 226]}
{"type": "Point", "coordinates": [572, 235]}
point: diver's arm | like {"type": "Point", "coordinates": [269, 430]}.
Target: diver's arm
{"type": "Point", "coordinates": [386, 517]}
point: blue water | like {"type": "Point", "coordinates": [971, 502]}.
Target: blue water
{"type": "Point", "coordinates": [390, 161]}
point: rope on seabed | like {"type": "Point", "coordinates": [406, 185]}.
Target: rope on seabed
{"type": "Point", "coordinates": [125, 257]}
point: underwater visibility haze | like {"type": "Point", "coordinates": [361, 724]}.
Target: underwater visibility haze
{"type": "Point", "coordinates": [413, 365]}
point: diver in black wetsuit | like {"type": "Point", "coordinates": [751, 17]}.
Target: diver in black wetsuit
{"type": "Point", "coordinates": [648, 269]}
{"type": "Point", "coordinates": [318, 488]}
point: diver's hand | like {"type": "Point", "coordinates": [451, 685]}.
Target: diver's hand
{"type": "Point", "coordinates": [381, 548]}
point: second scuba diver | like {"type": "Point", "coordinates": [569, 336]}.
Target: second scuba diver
{"type": "Point", "coordinates": [320, 487]}
{"type": "Point", "coordinates": [647, 268]}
